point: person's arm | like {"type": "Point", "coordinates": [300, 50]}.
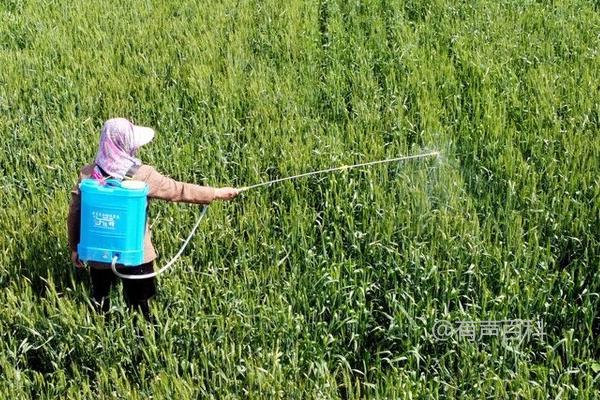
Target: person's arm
{"type": "Point", "coordinates": [165, 188]}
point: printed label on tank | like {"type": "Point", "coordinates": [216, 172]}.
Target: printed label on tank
{"type": "Point", "coordinates": [104, 220]}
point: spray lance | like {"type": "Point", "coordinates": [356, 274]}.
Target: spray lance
{"type": "Point", "coordinates": [113, 218]}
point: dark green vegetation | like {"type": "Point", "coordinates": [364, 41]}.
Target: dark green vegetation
{"type": "Point", "coordinates": [325, 287]}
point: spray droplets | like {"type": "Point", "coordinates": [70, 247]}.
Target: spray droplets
{"type": "Point", "coordinates": [345, 168]}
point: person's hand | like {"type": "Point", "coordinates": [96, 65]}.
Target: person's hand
{"type": "Point", "coordinates": [226, 193]}
{"type": "Point", "coordinates": [76, 261]}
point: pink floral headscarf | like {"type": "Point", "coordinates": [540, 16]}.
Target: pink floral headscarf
{"type": "Point", "coordinates": [119, 142]}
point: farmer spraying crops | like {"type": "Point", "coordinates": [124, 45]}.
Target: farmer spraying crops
{"type": "Point", "coordinates": [108, 220]}
{"type": "Point", "coordinates": [116, 161]}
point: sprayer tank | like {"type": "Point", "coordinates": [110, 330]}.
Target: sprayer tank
{"type": "Point", "coordinates": [113, 221]}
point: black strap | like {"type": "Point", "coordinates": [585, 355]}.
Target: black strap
{"type": "Point", "coordinates": [103, 172]}
{"type": "Point", "coordinates": [132, 171]}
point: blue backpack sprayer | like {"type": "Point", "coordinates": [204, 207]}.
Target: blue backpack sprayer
{"type": "Point", "coordinates": [113, 218]}
{"type": "Point", "coordinates": [113, 221]}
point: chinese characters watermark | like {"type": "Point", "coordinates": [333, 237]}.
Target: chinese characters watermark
{"type": "Point", "coordinates": [511, 331]}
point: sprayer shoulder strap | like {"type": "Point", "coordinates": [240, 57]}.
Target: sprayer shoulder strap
{"type": "Point", "coordinates": [132, 171]}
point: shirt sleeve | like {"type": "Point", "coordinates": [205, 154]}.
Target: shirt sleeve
{"type": "Point", "coordinates": [165, 188]}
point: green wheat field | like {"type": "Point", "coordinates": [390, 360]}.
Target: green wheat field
{"type": "Point", "coordinates": [330, 286]}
